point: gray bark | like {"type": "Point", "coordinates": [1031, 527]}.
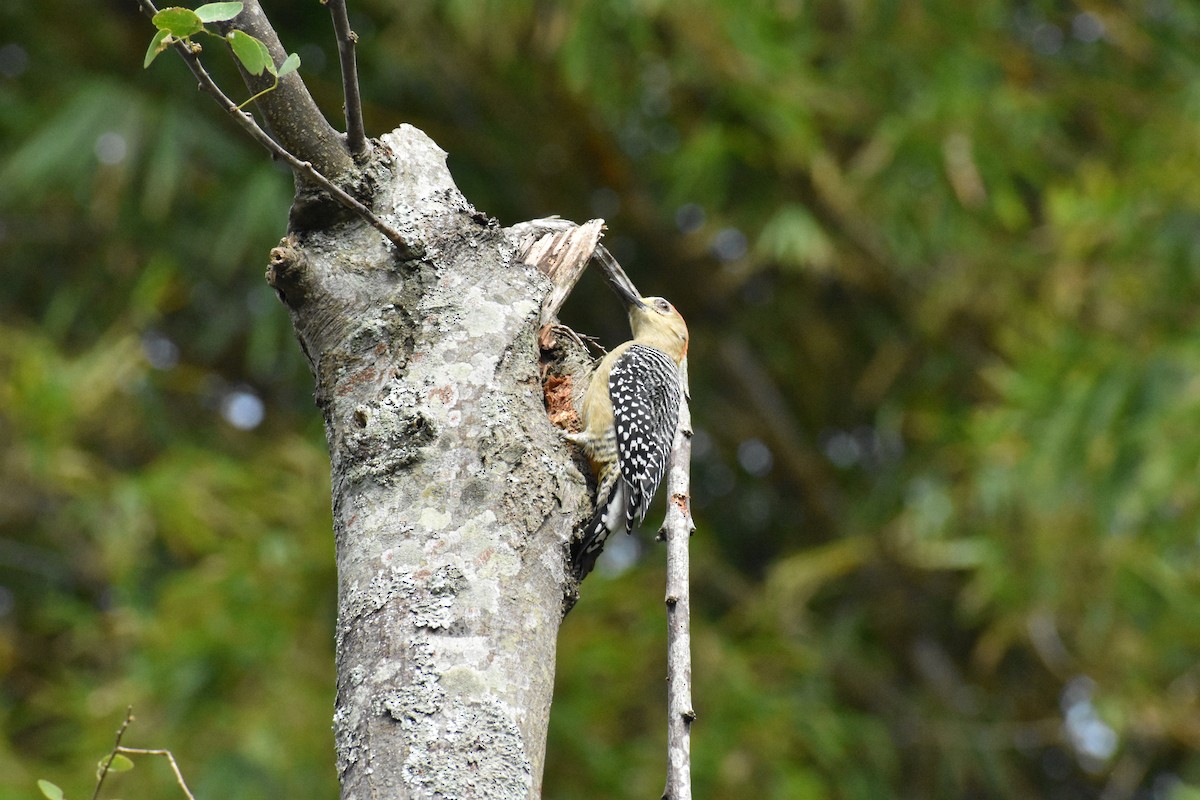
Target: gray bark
{"type": "Point", "coordinates": [435, 365]}
{"type": "Point", "coordinates": [453, 496]}
{"type": "Point", "coordinates": [289, 109]}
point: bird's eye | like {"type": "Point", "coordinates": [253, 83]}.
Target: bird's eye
{"type": "Point", "coordinates": [662, 305]}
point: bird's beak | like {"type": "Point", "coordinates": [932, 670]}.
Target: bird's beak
{"type": "Point", "coordinates": [628, 294]}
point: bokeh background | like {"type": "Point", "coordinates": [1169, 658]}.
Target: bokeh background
{"type": "Point", "coordinates": [940, 263]}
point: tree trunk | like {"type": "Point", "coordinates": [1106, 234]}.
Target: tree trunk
{"type": "Point", "coordinates": [453, 496]}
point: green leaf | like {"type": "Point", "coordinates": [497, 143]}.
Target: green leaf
{"type": "Point", "coordinates": [290, 64]}
{"type": "Point", "coordinates": [180, 22]}
{"type": "Point", "coordinates": [50, 790]}
{"type": "Point", "coordinates": [218, 12]}
{"type": "Point", "coordinates": [120, 763]}
{"type": "Point", "coordinates": [250, 51]}
{"type": "Point", "coordinates": [157, 45]}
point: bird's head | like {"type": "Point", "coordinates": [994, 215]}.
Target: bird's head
{"type": "Point", "coordinates": [655, 322]}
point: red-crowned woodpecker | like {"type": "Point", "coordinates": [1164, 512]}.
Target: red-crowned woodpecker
{"type": "Point", "coordinates": [630, 412]}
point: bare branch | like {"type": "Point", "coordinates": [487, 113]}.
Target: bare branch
{"type": "Point", "coordinates": [290, 111]}
{"type": "Point", "coordinates": [134, 751]}
{"type": "Point", "coordinates": [356, 138]}
{"type": "Point", "coordinates": [304, 168]}
{"type": "Point", "coordinates": [677, 530]}
{"type": "Point", "coordinates": [113, 753]}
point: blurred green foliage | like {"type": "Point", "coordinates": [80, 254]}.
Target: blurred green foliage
{"type": "Point", "coordinates": [940, 265]}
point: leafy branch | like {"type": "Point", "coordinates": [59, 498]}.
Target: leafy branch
{"type": "Point", "coordinates": [118, 759]}
{"type": "Point", "coordinates": [179, 25]}
{"type": "Point", "coordinates": [177, 28]}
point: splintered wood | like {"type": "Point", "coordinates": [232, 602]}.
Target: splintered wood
{"type": "Point", "coordinates": [561, 251]}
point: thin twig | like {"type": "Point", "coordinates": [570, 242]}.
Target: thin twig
{"type": "Point", "coordinates": [404, 249]}
{"type": "Point", "coordinates": [356, 138]}
{"type": "Point", "coordinates": [677, 530]}
{"type": "Point", "coordinates": [134, 751]}
{"type": "Point", "coordinates": [113, 754]}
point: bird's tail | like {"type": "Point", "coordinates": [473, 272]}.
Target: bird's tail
{"type": "Point", "coordinates": [610, 516]}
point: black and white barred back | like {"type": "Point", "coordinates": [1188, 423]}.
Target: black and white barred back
{"type": "Point", "coordinates": [644, 388]}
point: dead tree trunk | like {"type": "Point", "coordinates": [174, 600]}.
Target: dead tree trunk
{"type": "Point", "coordinates": [453, 496]}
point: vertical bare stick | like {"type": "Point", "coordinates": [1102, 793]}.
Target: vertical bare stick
{"type": "Point", "coordinates": [677, 529]}
{"type": "Point", "coordinates": [107, 763]}
{"type": "Point", "coordinates": [356, 138]}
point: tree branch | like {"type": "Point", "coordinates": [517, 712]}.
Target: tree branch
{"type": "Point", "coordinates": [542, 243]}
{"type": "Point", "coordinates": [289, 109]}
{"type": "Point", "coordinates": [677, 530]}
{"type": "Point", "coordinates": [113, 753]}
{"type": "Point", "coordinates": [135, 751]}
{"type": "Point", "coordinates": [356, 138]}
{"type": "Point", "coordinates": [117, 749]}
{"type": "Point", "coordinates": [404, 249]}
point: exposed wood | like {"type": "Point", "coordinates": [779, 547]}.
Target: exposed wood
{"type": "Point", "coordinates": [561, 250]}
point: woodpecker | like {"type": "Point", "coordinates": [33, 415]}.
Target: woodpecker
{"type": "Point", "coordinates": [630, 412]}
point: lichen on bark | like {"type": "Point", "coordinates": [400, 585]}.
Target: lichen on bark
{"type": "Point", "coordinates": [454, 496]}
